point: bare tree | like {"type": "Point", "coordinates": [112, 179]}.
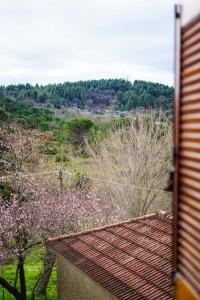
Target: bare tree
{"type": "Point", "coordinates": [137, 156]}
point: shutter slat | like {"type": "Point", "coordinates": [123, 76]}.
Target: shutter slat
{"type": "Point", "coordinates": [194, 244]}
{"type": "Point", "coordinates": [187, 254]}
{"type": "Point", "coordinates": [188, 33]}
{"type": "Point", "coordinates": [191, 268]}
{"type": "Point", "coordinates": [191, 165]}
{"type": "Point", "coordinates": [188, 181]}
{"type": "Point", "coordinates": [192, 194]}
{"type": "Point", "coordinates": [191, 67]}
{"type": "Point", "coordinates": [194, 269]}
{"type": "Point", "coordinates": [187, 164]}
{"type": "Point", "coordinates": [191, 40]}
{"type": "Point", "coordinates": [185, 144]}
{"type": "Point", "coordinates": [189, 155]}
{"type": "Point", "coordinates": [192, 126]}
{"type": "Point", "coordinates": [192, 116]}
{"type": "Point", "coordinates": [188, 276]}
{"type": "Point", "coordinates": [190, 50]}
{"type": "Point", "coordinates": [195, 96]}
{"type": "Point", "coordinates": [192, 222]}
{"type": "Point", "coordinates": [190, 90]}
{"type": "Point", "coordinates": [189, 229]}
{"type": "Point", "coordinates": [190, 173]}
{"type": "Point", "coordinates": [190, 80]}
{"type": "Point", "coordinates": [190, 108]}
{"type": "Point", "coordinates": [186, 207]}
{"type": "Point", "coordinates": [189, 135]}
{"type": "Point", "coordinates": [185, 244]}
{"type": "Point", "coordinates": [190, 147]}
{"type": "Point", "coordinates": [191, 59]}
{"type": "Point", "coordinates": [190, 87]}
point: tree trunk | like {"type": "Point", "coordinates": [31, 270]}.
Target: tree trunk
{"type": "Point", "coordinates": [22, 277]}
{"type": "Point", "coordinates": [43, 280]}
{"type": "Point", "coordinates": [16, 276]}
{"type": "Point", "coordinates": [10, 289]}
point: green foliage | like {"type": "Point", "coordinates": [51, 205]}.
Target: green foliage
{"type": "Point", "coordinates": [33, 267]}
{"type": "Point", "coordinates": [147, 95]}
{"type": "Point", "coordinates": [99, 131]}
{"type": "Point", "coordinates": [76, 129]}
{"type": "Point", "coordinates": [60, 158]}
{"type": "Point", "coordinates": [72, 131]}
{"type": "Point", "coordinates": [25, 114]}
{"type": "Point", "coordinates": [4, 117]}
{"type": "Point", "coordinates": [43, 126]}
{"type": "Point", "coordinates": [78, 181]}
{"type": "Point", "coordinates": [47, 148]}
{"type": "Point", "coordinates": [118, 93]}
{"type": "Point", "coordinates": [5, 190]}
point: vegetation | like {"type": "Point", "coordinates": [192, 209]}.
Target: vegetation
{"type": "Point", "coordinates": [32, 209]}
{"type": "Point", "coordinates": [118, 94]}
{"type": "Point", "coordinates": [133, 161]}
{"type": "Point", "coordinates": [71, 131]}
{"type": "Point", "coordinates": [33, 267]}
{"type": "Point", "coordinates": [30, 117]}
{"type": "Point", "coordinates": [74, 131]}
{"type": "Point", "coordinates": [111, 169]}
{"type": "Point", "coordinates": [27, 115]}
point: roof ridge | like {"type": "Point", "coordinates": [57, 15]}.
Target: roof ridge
{"type": "Point", "coordinates": [70, 235]}
{"type": "Point", "coordinates": [164, 215]}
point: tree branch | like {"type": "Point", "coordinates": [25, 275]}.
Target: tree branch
{"type": "Point", "coordinates": [10, 289]}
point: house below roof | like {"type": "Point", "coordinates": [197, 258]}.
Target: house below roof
{"type": "Point", "coordinates": [126, 260]}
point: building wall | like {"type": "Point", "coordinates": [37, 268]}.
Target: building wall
{"type": "Point", "coordinates": [73, 284]}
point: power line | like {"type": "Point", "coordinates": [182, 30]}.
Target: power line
{"type": "Point", "coordinates": [116, 183]}
{"type": "Point", "coordinates": [28, 175]}
{"type": "Point", "coordinates": [87, 177]}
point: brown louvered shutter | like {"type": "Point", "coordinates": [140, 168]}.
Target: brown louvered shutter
{"type": "Point", "coordinates": [187, 159]}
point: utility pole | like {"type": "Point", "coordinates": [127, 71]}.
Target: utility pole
{"type": "Point", "coordinates": [60, 177]}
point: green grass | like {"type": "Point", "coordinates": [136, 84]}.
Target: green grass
{"type": "Point", "coordinates": [33, 266]}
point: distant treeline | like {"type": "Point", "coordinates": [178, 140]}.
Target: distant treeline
{"type": "Point", "coordinates": [118, 94]}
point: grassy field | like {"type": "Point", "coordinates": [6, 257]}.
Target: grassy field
{"type": "Point", "coordinates": [33, 266]}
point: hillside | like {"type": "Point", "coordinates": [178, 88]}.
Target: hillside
{"type": "Point", "coordinates": [115, 94]}
{"type": "Point", "coordinates": [25, 114]}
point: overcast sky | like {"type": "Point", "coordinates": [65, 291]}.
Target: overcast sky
{"type": "Point", "coordinates": [44, 41]}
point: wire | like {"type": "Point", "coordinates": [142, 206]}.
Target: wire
{"type": "Point", "coordinates": [28, 175]}
{"type": "Point", "coordinates": [116, 183]}
{"type": "Point", "coordinates": [88, 177]}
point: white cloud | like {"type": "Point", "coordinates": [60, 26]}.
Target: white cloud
{"type": "Point", "coordinates": [58, 40]}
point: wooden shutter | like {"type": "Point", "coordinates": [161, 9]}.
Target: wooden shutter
{"type": "Point", "coordinates": [187, 159]}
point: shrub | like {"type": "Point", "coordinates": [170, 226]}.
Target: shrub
{"type": "Point", "coordinates": [76, 129]}
{"type": "Point", "coordinates": [44, 126]}
{"type": "Point", "coordinates": [135, 155]}
{"type": "Point", "coordinates": [4, 117]}
{"type": "Point", "coordinates": [60, 158]}
{"type": "Point", "coordinates": [48, 149]}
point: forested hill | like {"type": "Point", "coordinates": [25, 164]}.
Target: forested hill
{"type": "Point", "coordinates": [117, 94]}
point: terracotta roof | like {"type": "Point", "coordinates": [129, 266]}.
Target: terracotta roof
{"type": "Point", "coordinates": [131, 259]}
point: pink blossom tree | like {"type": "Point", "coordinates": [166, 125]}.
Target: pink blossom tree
{"type": "Point", "coordinates": [18, 150]}
{"type": "Point", "coordinates": [36, 211]}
